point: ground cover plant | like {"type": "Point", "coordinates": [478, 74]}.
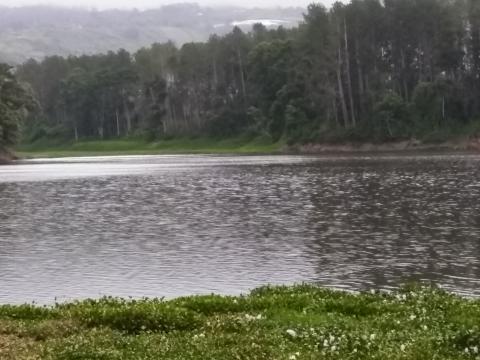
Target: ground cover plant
{"type": "Point", "coordinates": [300, 322]}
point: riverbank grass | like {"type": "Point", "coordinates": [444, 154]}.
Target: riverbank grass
{"type": "Point", "coordinates": [240, 145]}
{"type": "Point", "coordinates": [301, 322]}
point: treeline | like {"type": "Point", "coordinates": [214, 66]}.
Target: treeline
{"type": "Point", "coordinates": [369, 70]}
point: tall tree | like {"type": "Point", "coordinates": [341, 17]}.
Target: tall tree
{"type": "Point", "coordinates": [14, 102]}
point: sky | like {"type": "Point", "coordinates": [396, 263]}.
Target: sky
{"type": "Point", "coordinates": [142, 4]}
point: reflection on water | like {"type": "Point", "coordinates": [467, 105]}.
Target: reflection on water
{"type": "Point", "coordinates": [177, 225]}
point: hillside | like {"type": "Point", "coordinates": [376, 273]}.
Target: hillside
{"type": "Point", "coordinates": [36, 32]}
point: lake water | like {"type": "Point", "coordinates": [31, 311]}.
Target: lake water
{"type": "Point", "coordinates": [178, 225]}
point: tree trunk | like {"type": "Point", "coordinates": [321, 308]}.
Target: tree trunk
{"type": "Point", "coordinates": [361, 87]}
{"type": "Point", "coordinates": [335, 113]}
{"type": "Point", "coordinates": [117, 117]}
{"type": "Point", "coordinates": [215, 74]}
{"type": "Point", "coordinates": [242, 75]}
{"type": "Point", "coordinates": [76, 131]}
{"type": "Point", "coordinates": [127, 113]}
{"type": "Point", "coordinates": [341, 93]}
{"type": "Point", "coordinates": [102, 117]}
{"type": "Point", "coordinates": [349, 79]}
{"type": "Point", "coordinates": [167, 120]}
{"type": "Point", "coordinates": [403, 76]}
{"type": "Point", "coordinates": [443, 109]}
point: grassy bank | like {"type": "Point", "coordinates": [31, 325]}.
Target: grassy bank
{"type": "Point", "coordinates": [300, 322]}
{"type": "Point", "coordinates": [229, 146]}
{"type": "Point", "coordinates": [142, 147]}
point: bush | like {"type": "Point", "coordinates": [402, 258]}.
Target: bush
{"type": "Point", "coordinates": [134, 316]}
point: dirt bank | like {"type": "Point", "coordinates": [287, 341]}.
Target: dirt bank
{"type": "Point", "coordinates": [470, 144]}
{"type": "Point", "coordinates": [5, 158]}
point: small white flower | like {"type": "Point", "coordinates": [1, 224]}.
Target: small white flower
{"type": "Point", "coordinates": [425, 327]}
{"type": "Point", "coordinates": [413, 317]}
{"type": "Point", "coordinates": [402, 347]}
{"type": "Point", "coordinates": [332, 338]}
{"type": "Point", "coordinates": [467, 351]}
{"type": "Point", "coordinates": [475, 349]}
{"type": "Point", "coordinates": [372, 336]}
{"type": "Point", "coordinates": [325, 343]}
{"type": "Point", "coordinates": [259, 317]}
{"type": "Point", "coordinates": [372, 291]}
{"type": "Point", "coordinates": [292, 333]}
{"type": "Point", "coordinates": [292, 357]}
{"type": "Point", "coordinates": [334, 348]}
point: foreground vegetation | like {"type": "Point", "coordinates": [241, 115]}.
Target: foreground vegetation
{"type": "Point", "coordinates": [301, 322]}
{"type": "Point", "coordinates": [240, 145]}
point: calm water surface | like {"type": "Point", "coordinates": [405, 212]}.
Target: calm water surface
{"type": "Point", "coordinates": [179, 225]}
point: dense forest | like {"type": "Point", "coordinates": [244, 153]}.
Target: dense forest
{"type": "Point", "coordinates": [368, 71]}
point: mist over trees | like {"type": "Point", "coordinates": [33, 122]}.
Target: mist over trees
{"type": "Point", "coordinates": [39, 31]}
{"type": "Point", "coordinates": [366, 71]}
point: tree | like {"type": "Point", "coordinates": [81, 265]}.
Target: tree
{"type": "Point", "coordinates": [14, 103]}
{"type": "Point", "coordinates": [367, 69]}
{"type": "Point", "coordinates": [392, 119]}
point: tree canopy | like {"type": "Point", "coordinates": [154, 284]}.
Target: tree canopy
{"type": "Point", "coordinates": [368, 70]}
{"type": "Point", "coordinates": [14, 102]}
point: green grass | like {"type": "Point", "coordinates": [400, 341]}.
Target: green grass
{"type": "Point", "coordinates": [301, 322]}
{"type": "Point", "coordinates": [142, 147]}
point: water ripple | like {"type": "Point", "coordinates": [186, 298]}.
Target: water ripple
{"type": "Point", "coordinates": [177, 225]}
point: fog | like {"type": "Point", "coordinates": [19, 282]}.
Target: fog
{"type": "Point", "coordinates": [144, 4]}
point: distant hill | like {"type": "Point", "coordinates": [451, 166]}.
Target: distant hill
{"type": "Point", "coordinates": [36, 32]}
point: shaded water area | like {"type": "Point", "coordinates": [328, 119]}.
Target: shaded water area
{"type": "Point", "coordinates": [180, 225]}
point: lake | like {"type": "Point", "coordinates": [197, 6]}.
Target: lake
{"type": "Point", "coordinates": [179, 225]}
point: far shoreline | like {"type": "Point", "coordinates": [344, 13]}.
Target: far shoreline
{"type": "Point", "coordinates": [6, 158]}
{"type": "Point", "coordinates": [234, 147]}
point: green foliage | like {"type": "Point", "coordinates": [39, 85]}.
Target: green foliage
{"type": "Point", "coordinates": [300, 322]}
{"type": "Point", "coordinates": [297, 125]}
{"type": "Point", "coordinates": [366, 71]}
{"type": "Point", "coordinates": [201, 145]}
{"type": "Point", "coordinates": [133, 316]}
{"type": "Point", "coordinates": [392, 119]}
{"type": "Point", "coordinates": [24, 312]}
{"type": "Point", "coordinates": [14, 102]}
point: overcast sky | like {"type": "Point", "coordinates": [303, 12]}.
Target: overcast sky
{"type": "Point", "coordinates": [141, 4]}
